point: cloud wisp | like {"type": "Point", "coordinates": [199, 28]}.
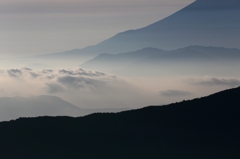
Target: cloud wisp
{"type": "Point", "coordinates": [92, 89]}
{"type": "Point", "coordinates": [174, 93]}
{"type": "Point", "coordinates": [60, 79]}
{"type": "Point", "coordinates": [87, 89]}
{"type": "Point", "coordinates": [214, 81]}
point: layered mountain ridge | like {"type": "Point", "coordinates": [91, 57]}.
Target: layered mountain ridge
{"type": "Point", "coordinates": [148, 59]}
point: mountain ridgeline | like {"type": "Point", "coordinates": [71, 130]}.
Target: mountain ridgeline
{"type": "Point", "coordinates": [187, 60]}
{"type": "Point", "coordinates": [204, 128]}
{"type": "Point", "coordinates": [16, 107]}
{"type": "Point", "coordinates": [204, 22]}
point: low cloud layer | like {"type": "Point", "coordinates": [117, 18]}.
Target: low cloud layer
{"type": "Point", "coordinates": [174, 93]}
{"type": "Point", "coordinates": [214, 81]}
{"type": "Point", "coordinates": [61, 79]}
{"type": "Point", "coordinates": [92, 89]}
{"type": "Point", "coordinates": [80, 87]}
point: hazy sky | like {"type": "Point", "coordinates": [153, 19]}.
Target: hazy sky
{"type": "Point", "coordinates": [48, 26]}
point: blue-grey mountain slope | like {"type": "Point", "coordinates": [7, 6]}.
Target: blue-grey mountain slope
{"type": "Point", "coordinates": [110, 62]}
{"type": "Point", "coordinates": [204, 22]}
{"type": "Point", "coordinates": [149, 59]}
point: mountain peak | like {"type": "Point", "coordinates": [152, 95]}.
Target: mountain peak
{"type": "Point", "coordinates": [203, 22]}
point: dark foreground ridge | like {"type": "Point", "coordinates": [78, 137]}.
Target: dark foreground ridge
{"type": "Point", "coordinates": [205, 128]}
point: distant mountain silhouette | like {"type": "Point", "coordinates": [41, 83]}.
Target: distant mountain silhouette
{"type": "Point", "coordinates": [204, 128]}
{"type": "Point", "coordinates": [110, 62]}
{"type": "Point", "coordinates": [151, 58]}
{"type": "Point", "coordinates": [204, 22]}
{"type": "Point", "coordinates": [15, 107]}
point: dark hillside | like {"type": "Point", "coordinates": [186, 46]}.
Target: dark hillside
{"type": "Point", "coordinates": [204, 128]}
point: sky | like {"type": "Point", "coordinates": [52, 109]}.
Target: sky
{"type": "Point", "coordinates": [30, 27]}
